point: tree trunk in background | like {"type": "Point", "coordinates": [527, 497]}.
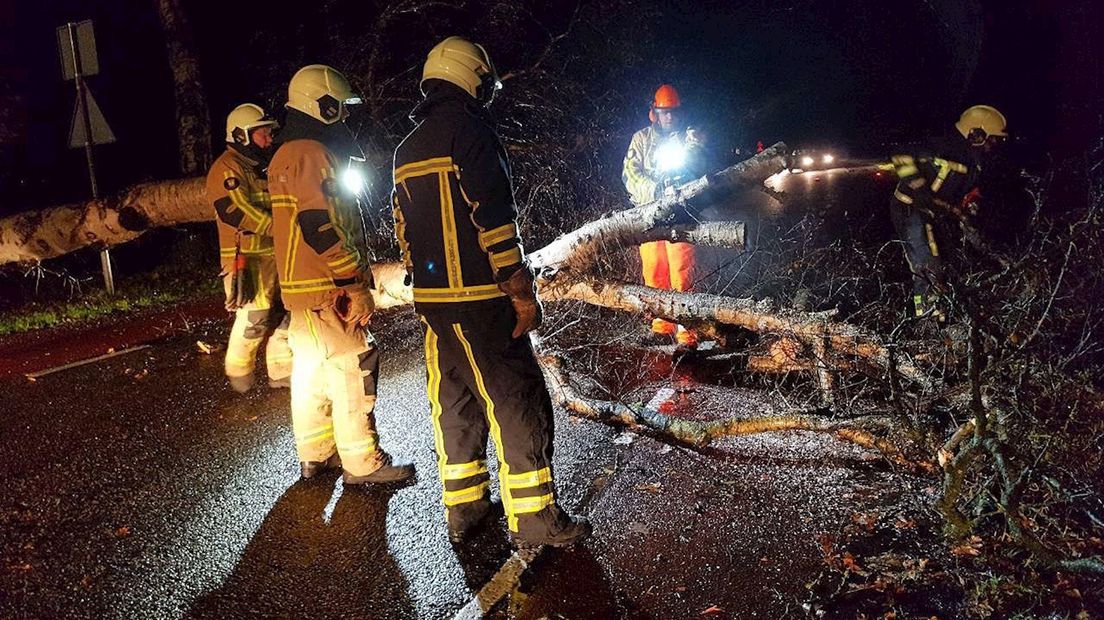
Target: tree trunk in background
{"type": "Point", "coordinates": [193, 119]}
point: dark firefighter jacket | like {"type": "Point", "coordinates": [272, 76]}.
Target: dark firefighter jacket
{"type": "Point", "coordinates": [315, 227]}
{"type": "Point", "coordinates": [937, 175]}
{"type": "Point", "coordinates": [453, 204]}
{"type": "Point", "coordinates": [237, 189]}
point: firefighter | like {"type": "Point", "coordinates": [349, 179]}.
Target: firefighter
{"type": "Point", "coordinates": [659, 156]}
{"type": "Point", "coordinates": [940, 176]}
{"type": "Point", "coordinates": [456, 224]}
{"type": "Point", "coordinates": [326, 282]}
{"type": "Point", "coordinates": [237, 187]}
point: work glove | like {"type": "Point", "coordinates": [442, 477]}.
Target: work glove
{"type": "Point", "coordinates": [355, 305]}
{"type": "Point", "coordinates": [522, 291]}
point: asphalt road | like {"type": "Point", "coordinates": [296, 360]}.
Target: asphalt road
{"type": "Point", "coordinates": [141, 486]}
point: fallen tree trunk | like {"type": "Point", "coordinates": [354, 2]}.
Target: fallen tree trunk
{"type": "Point", "coordinates": [577, 250]}
{"type": "Point", "coordinates": [38, 235]}
{"type": "Point", "coordinates": [757, 316]}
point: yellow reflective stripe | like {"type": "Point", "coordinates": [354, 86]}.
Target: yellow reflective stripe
{"type": "Point", "coordinates": [918, 304]}
{"type": "Point", "coordinates": [907, 171]}
{"type": "Point", "coordinates": [241, 200]}
{"type": "Point", "coordinates": [465, 495]}
{"type": "Point", "coordinates": [902, 197]}
{"type": "Point", "coordinates": [459, 471]}
{"type": "Point", "coordinates": [228, 252]}
{"type": "Point", "coordinates": [507, 258]}
{"type": "Point", "coordinates": [426, 166]}
{"type": "Point", "coordinates": [498, 235]}
{"type": "Point", "coordinates": [433, 390]}
{"type": "Point", "coordinates": [901, 160]}
{"type": "Point", "coordinates": [363, 446]}
{"type": "Point", "coordinates": [306, 286]}
{"type": "Point", "coordinates": [310, 326]}
{"type": "Point", "coordinates": [931, 240]}
{"type": "Point", "coordinates": [529, 479]}
{"type": "Point", "coordinates": [315, 434]}
{"type": "Point", "coordinates": [467, 293]}
{"type": "Point", "coordinates": [528, 505]}
{"type": "Point", "coordinates": [256, 252]}
{"type": "Point", "coordinates": [952, 165]}
{"type": "Point", "coordinates": [283, 200]}
{"type": "Point", "coordinates": [496, 430]}
{"type": "Point", "coordinates": [448, 231]}
{"type": "Point", "coordinates": [343, 263]}
{"type": "Point", "coordinates": [239, 361]}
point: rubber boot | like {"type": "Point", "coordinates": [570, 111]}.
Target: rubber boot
{"type": "Point", "coordinates": [390, 473]}
{"type": "Point", "coordinates": [241, 384]}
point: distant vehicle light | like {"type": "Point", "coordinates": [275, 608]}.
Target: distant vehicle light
{"type": "Point", "coordinates": [807, 161]}
{"type": "Point", "coordinates": [353, 180]}
{"type": "Point", "coordinates": [670, 156]}
{"type": "Point", "coordinates": [828, 158]}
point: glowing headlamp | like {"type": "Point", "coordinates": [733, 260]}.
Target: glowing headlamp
{"type": "Point", "coordinates": [670, 156]}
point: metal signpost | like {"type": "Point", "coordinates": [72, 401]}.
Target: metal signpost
{"type": "Point", "coordinates": [77, 48]}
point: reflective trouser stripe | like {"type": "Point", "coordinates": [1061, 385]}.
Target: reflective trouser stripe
{"type": "Point", "coordinates": [314, 435]}
{"type": "Point", "coordinates": [931, 240]}
{"type": "Point", "coordinates": [364, 446]}
{"type": "Point", "coordinates": [529, 505]}
{"type": "Point", "coordinates": [433, 390]}
{"type": "Point", "coordinates": [467, 494]}
{"type": "Point", "coordinates": [529, 479]}
{"type": "Point", "coordinates": [459, 471]}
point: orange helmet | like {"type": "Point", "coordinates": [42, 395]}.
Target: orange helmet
{"type": "Point", "coordinates": [665, 97]}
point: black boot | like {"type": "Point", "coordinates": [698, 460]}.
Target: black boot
{"type": "Point", "coordinates": [551, 526]}
{"type": "Point", "coordinates": [467, 519]}
{"type": "Point", "coordinates": [310, 469]}
{"type": "Point", "coordinates": [390, 473]}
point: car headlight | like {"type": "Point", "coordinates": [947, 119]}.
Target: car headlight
{"type": "Point", "coordinates": [353, 180]}
{"type": "Point", "coordinates": [807, 161]}
{"type": "Point", "coordinates": [828, 158]}
{"type": "Point", "coordinates": [670, 156]}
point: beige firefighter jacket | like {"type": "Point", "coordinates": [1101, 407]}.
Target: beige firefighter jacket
{"type": "Point", "coordinates": [316, 227]}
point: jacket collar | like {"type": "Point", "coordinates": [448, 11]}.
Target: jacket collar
{"type": "Point", "coordinates": [441, 93]}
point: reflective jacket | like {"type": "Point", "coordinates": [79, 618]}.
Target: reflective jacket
{"type": "Point", "coordinates": [238, 191]}
{"type": "Point", "coordinates": [940, 173]}
{"type": "Point", "coordinates": [640, 174]}
{"type": "Point", "coordinates": [315, 227]}
{"type": "Point", "coordinates": [453, 204]}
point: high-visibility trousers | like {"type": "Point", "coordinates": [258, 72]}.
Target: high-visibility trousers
{"type": "Point", "coordinates": [480, 379]}
{"type": "Point", "coordinates": [253, 321]}
{"type": "Point", "coordinates": [670, 265]}
{"type": "Point", "coordinates": [915, 229]}
{"type": "Point", "coordinates": [333, 391]}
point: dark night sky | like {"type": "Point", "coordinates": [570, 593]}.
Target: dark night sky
{"type": "Point", "coordinates": [851, 72]}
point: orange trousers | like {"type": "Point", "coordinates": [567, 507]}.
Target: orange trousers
{"type": "Point", "coordinates": [667, 265]}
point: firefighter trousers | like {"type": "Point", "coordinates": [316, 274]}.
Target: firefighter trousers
{"type": "Point", "coordinates": [480, 379]}
{"type": "Point", "coordinates": [333, 391]}
{"type": "Point", "coordinates": [247, 334]}
{"type": "Point", "coordinates": [667, 265]}
{"type": "Point", "coordinates": [915, 228]}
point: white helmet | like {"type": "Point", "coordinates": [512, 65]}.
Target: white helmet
{"type": "Point", "coordinates": [242, 120]}
{"type": "Point", "coordinates": [465, 64]}
{"type": "Point", "coordinates": [321, 92]}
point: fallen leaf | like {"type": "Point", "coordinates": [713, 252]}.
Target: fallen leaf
{"type": "Point", "coordinates": [712, 610]}
{"type": "Point", "coordinates": [902, 523]}
{"type": "Point", "coordinates": [651, 487]}
{"type": "Point", "coordinates": [971, 547]}
{"type": "Point", "coordinates": [204, 347]}
{"type": "Point", "coordinates": [122, 532]}
{"type": "Point", "coordinates": [253, 419]}
{"type": "Point", "coordinates": [142, 374]}
{"type": "Point", "coordinates": [625, 438]}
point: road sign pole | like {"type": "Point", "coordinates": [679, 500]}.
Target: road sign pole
{"type": "Point", "coordinates": [82, 102]}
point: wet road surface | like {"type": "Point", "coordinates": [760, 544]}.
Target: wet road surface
{"type": "Point", "coordinates": [141, 486]}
